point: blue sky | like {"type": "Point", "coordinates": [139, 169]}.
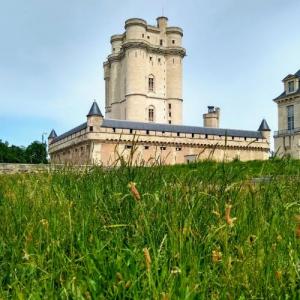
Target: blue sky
{"type": "Point", "coordinates": [51, 55]}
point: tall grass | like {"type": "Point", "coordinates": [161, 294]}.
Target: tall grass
{"type": "Point", "coordinates": [85, 235]}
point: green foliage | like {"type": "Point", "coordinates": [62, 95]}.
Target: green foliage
{"type": "Point", "coordinates": [82, 235]}
{"type": "Point", "coordinates": [35, 153]}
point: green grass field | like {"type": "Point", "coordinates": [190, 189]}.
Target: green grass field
{"type": "Point", "coordinates": [85, 235]}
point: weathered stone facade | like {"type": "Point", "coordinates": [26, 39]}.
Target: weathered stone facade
{"type": "Point", "coordinates": [143, 106]}
{"type": "Point", "coordinates": [287, 138]}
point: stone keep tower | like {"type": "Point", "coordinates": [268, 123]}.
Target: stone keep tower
{"type": "Point", "coordinates": [143, 74]}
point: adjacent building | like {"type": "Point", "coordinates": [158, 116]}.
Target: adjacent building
{"type": "Point", "coordinates": [143, 110]}
{"type": "Point", "coordinates": [287, 138]}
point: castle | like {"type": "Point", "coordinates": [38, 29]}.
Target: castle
{"type": "Point", "coordinates": [143, 110]}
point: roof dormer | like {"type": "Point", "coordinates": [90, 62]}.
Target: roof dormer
{"type": "Point", "coordinates": [291, 83]}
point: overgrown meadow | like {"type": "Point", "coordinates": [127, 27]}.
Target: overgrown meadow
{"type": "Point", "coordinates": [199, 231]}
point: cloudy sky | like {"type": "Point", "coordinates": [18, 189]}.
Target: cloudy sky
{"type": "Point", "coordinates": [51, 55]}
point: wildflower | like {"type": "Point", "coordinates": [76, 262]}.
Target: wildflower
{"type": "Point", "coordinates": [135, 193]}
{"type": "Point", "coordinates": [175, 270]}
{"type": "Point", "coordinates": [45, 223]}
{"type": "Point", "coordinates": [216, 256]}
{"type": "Point", "coordinates": [26, 255]}
{"type": "Point", "coordinates": [147, 259]}
{"type": "Point", "coordinates": [228, 219]}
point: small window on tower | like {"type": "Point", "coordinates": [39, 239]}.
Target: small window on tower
{"type": "Point", "coordinates": [91, 128]}
{"type": "Point", "coordinates": [143, 35]}
{"type": "Point", "coordinates": [170, 122]}
{"type": "Point", "coordinates": [150, 58]}
{"type": "Point", "coordinates": [161, 42]}
{"type": "Point", "coordinates": [159, 60]}
{"type": "Point", "coordinates": [173, 42]}
{"type": "Point", "coordinates": [151, 83]}
{"type": "Point", "coordinates": [170, 105]}
{"type": "Point", "coordinates": [151, 114]}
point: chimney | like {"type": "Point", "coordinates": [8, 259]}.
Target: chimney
{"type": "Point", "coordinates": [212, 117]}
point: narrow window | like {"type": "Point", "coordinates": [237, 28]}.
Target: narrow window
{"type": "Point", "coordinates": [151, 83]}
{"type": "Point", "coordinates": [178, 148]}
{"type": "Point", "coordinates": [170, 105]}
{"type": "Point", "coordinates": [178, 133]}
{"type": "Point", "coordinates": [128, 146]}
{"type": "Point", "coordinates": [91, 128]}
{"type": "Point", "coordinates": [170, 121]}
{"type": "Point", "coordinates": [151, 114]}
{"type": "Point", "coordinates": [161, 42]}
{"type": "Point", "coordinates": [147, 131]}
{"type": "Point", "coordinates": [130, 130]}
{"type": "Point", "coordinates": [193, 135]}
{"type": "Point", "coordinates": [290, 117]}
{"type": "Point", "coordinates": [173, 42]}
{"type": "Point", "coordinates": [143, 35]}
{"type": "Point", "coordinates": [148, 37]}
{"type": "Point", "coordinates": [150, 58]}
{"type": "Point", "coordinates": [291, 86]}
{"type": "Point", "coordinates": [114, 129]}
{"type": "Point", "coordinates": [163, 148]}
{"type": "Point", "coordinates": [170, 114]}
{"type": "Point", "coordinates": [146, 147]}
{"type": "Point", "coordinates": [159, 60]}
{"type": "Point", "coordinates": [206, 136]}
{"type": "Point", "coordinates": [114, 49]}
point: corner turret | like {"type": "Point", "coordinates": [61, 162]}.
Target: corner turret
{"type": "Point", "coordinates": [51, 136]}
{"type": "Point", "coordinates": [265, 129]}
{"type": "Point", "coordinates": [94, 117]}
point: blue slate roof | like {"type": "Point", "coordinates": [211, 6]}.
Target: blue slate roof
{"type": "Point", "coordinates": [94, 110]}
{"type": "Point", "coordinates": [70, 132]}
{"type": "Point", "coordinates": [52, 134]}
{"type": "Point", "coordinates": [264, 126]}
{"type": "Point", "coordinates": [122, 124]}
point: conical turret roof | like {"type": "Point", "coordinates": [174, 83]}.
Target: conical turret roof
{"type": "Point", "coordinates": [52, 134]}
{"type": "Point", "coordinates": [95, 110]}
{"type": "Point", "coordinates": [264, 126]}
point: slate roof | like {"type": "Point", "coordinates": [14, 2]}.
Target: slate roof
{"type": "Point", "coordinates": [52, 134]}
{"type": "Point", "coordinates": [94, 110]}
{"type": "Point", "coordinates": [264, 126]}
{"type": "Point", "coordinates": [122, 124]}
{"type": "Point", "coordinates": [70, 132]}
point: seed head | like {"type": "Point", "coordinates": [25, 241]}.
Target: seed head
{"type": "Point", "coordinates": [147, 259]}
{"type": "Point", "coordinates": [278, 275]}
{"type": "Point", "coordinates": [135, 193]}
{"type": "Point", "coordinates": [228, 218]}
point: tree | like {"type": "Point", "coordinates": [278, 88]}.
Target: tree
{"type": "Point", "coordinates": [36, 153]}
